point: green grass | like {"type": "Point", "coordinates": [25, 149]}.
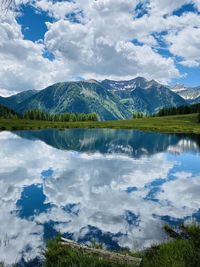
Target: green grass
{"type": "Point", "coordinates": [57, 255]}
{"type": "Point", "coordinates": [182, 250]}
{"type": "Point", "coordinates": [169, 124]}
{"type": "Point", "coordinates": [179, 253]}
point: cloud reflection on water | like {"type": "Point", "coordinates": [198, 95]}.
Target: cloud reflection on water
{"type": "Point", "coordinates": [87, 195]}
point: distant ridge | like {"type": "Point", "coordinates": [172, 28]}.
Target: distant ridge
{"type": "Point", "coordinates": [190, 94]}
{"type": "Point", "coordinates": [14, 100]}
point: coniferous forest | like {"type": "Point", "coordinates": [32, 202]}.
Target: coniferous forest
{"type": "Point", "coordinates": [36, 114]}
{"type": "Point", "coordinates": [195, 108]}
{"type": "Point", "coordinates": [8, 113]}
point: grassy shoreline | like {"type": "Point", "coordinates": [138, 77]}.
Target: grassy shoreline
{"type": "Point", "coordinates": [181, 250]}
{"type": "Point", "coordinates": [169, 124]}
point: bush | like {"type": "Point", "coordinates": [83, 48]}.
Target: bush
{"type": "Point", "coordinates": [14, 128]}
{"type": "Point", "coordinates": [3, 128]}
{"type": "Point", "coordinates": [182, 251]}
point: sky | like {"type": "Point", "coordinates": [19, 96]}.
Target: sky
{"type": "Point", "coordinates": [47, 41]}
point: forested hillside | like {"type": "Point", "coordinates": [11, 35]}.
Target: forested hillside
{"type": "Point", "coordinates": [110, 100]}
{"type": "Point", "coordinates": [7, 113]}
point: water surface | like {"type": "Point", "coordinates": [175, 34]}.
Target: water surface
{"type": "Point", "coordinates": [117, 187]}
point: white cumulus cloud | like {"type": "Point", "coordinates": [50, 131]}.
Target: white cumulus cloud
{"type": "Point", "coordinates": [99, 39]}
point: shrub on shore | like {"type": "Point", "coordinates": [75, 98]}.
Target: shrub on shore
{"type": "Point", "coordinates": [183, 250]}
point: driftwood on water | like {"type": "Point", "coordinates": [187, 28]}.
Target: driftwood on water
{"type": "Point", "coordinates": [104, 254]}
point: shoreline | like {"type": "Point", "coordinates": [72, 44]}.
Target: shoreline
{"type": "Point", "coordinates": [169, 124]}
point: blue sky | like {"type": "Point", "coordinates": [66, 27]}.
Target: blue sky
{"type": "Point", "coordinates": [47, 41]}
{"type": "Point", "coordinates": [33, 23]}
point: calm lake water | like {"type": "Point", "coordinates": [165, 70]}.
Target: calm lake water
{"type": "Point", "coordinates": [117, 187]}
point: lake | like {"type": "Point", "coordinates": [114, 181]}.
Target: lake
{"type": "Point", "coordinates": [116, 187]}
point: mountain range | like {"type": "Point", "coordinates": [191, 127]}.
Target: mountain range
{"type": "Point", "coordinates": [108, 99]}
{"type": "Point", "coordinates": [190, 94]}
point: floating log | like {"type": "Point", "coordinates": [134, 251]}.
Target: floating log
{"type": "Point", "coordinates": [104, 254]}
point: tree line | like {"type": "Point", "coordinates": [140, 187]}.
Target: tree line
{"type": "Point", "coordinates": [36, 114]}
{"type": "Point", "coordinates": [138, 115]}
{"type": "Point", "coordinates": [195, 108]}
{"type": "Point", "coordinates": [8, 113]}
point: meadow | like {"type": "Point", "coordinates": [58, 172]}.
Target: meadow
{"type": "Point", "coordinates": [168, 124]}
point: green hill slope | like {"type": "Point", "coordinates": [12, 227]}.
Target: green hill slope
{"type": "Point", "coordinates": [7, 113]}
{"type": "Point", "coordinates": [85, 96]}
{"type": "Point", "coordinates": [14, 100]}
